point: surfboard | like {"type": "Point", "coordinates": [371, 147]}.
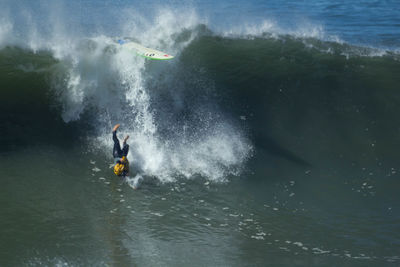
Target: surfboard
{"type": "Point", "coordinates": [145, 51]}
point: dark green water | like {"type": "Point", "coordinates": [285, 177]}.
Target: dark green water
{"type": "Point", "coordinates": [289, 157]}
{"type": "Point", "coordinates": [65, 210]}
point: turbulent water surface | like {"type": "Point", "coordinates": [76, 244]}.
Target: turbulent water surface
{"type": "Point", "coordinates": [271, 139]}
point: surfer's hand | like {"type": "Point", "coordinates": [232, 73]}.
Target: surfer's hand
{"type": "Point", "coordinates": [116, 127]}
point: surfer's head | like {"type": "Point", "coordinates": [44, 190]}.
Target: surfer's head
{"type": "Point", "coordinates": [119, 168]}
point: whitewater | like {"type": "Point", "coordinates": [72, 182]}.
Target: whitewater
{"type": "Point", "coordinates": [271, 138]}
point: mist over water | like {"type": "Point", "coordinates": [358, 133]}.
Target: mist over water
{"type": "Point", "coordinates": [272, 137]}
{"type": "Point", "coordinates": [94, 73]}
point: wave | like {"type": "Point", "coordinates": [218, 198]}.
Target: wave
{"type": "Point", "coordinates": [224, 97]}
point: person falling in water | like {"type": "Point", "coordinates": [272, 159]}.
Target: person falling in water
{"type": "Point", "coordinates": [121, 167]}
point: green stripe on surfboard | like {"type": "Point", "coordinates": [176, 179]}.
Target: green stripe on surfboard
{"type": "Point", "coordinates": [145, 52]}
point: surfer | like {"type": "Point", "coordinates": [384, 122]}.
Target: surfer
{"type": "Point", "coordinates": [121, 167]}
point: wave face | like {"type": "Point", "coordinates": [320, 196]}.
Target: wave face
{"type": "Point", "coordinates": [98, 82]}
{"type": "Point", "coordinates": [228, 95]}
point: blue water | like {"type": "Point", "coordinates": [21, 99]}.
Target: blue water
{"type": "Point", "coordinates": [371, 23]}
{"type": "Point", "coordinates": [367, 23]}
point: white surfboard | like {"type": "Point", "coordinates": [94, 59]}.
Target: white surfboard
{"type": "Point", "coordinates": [144, 51]}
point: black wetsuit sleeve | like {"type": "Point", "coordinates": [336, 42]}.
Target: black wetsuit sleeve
{"type": "Point", "coordinates": [125, 150]}
{"type": "Point", "coordinates": [117, 152]}
{"type": "Point", "coordinates": [115, 138]}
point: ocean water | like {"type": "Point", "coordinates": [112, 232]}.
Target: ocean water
{"type": "Point", "coordinates": [271, 139]}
